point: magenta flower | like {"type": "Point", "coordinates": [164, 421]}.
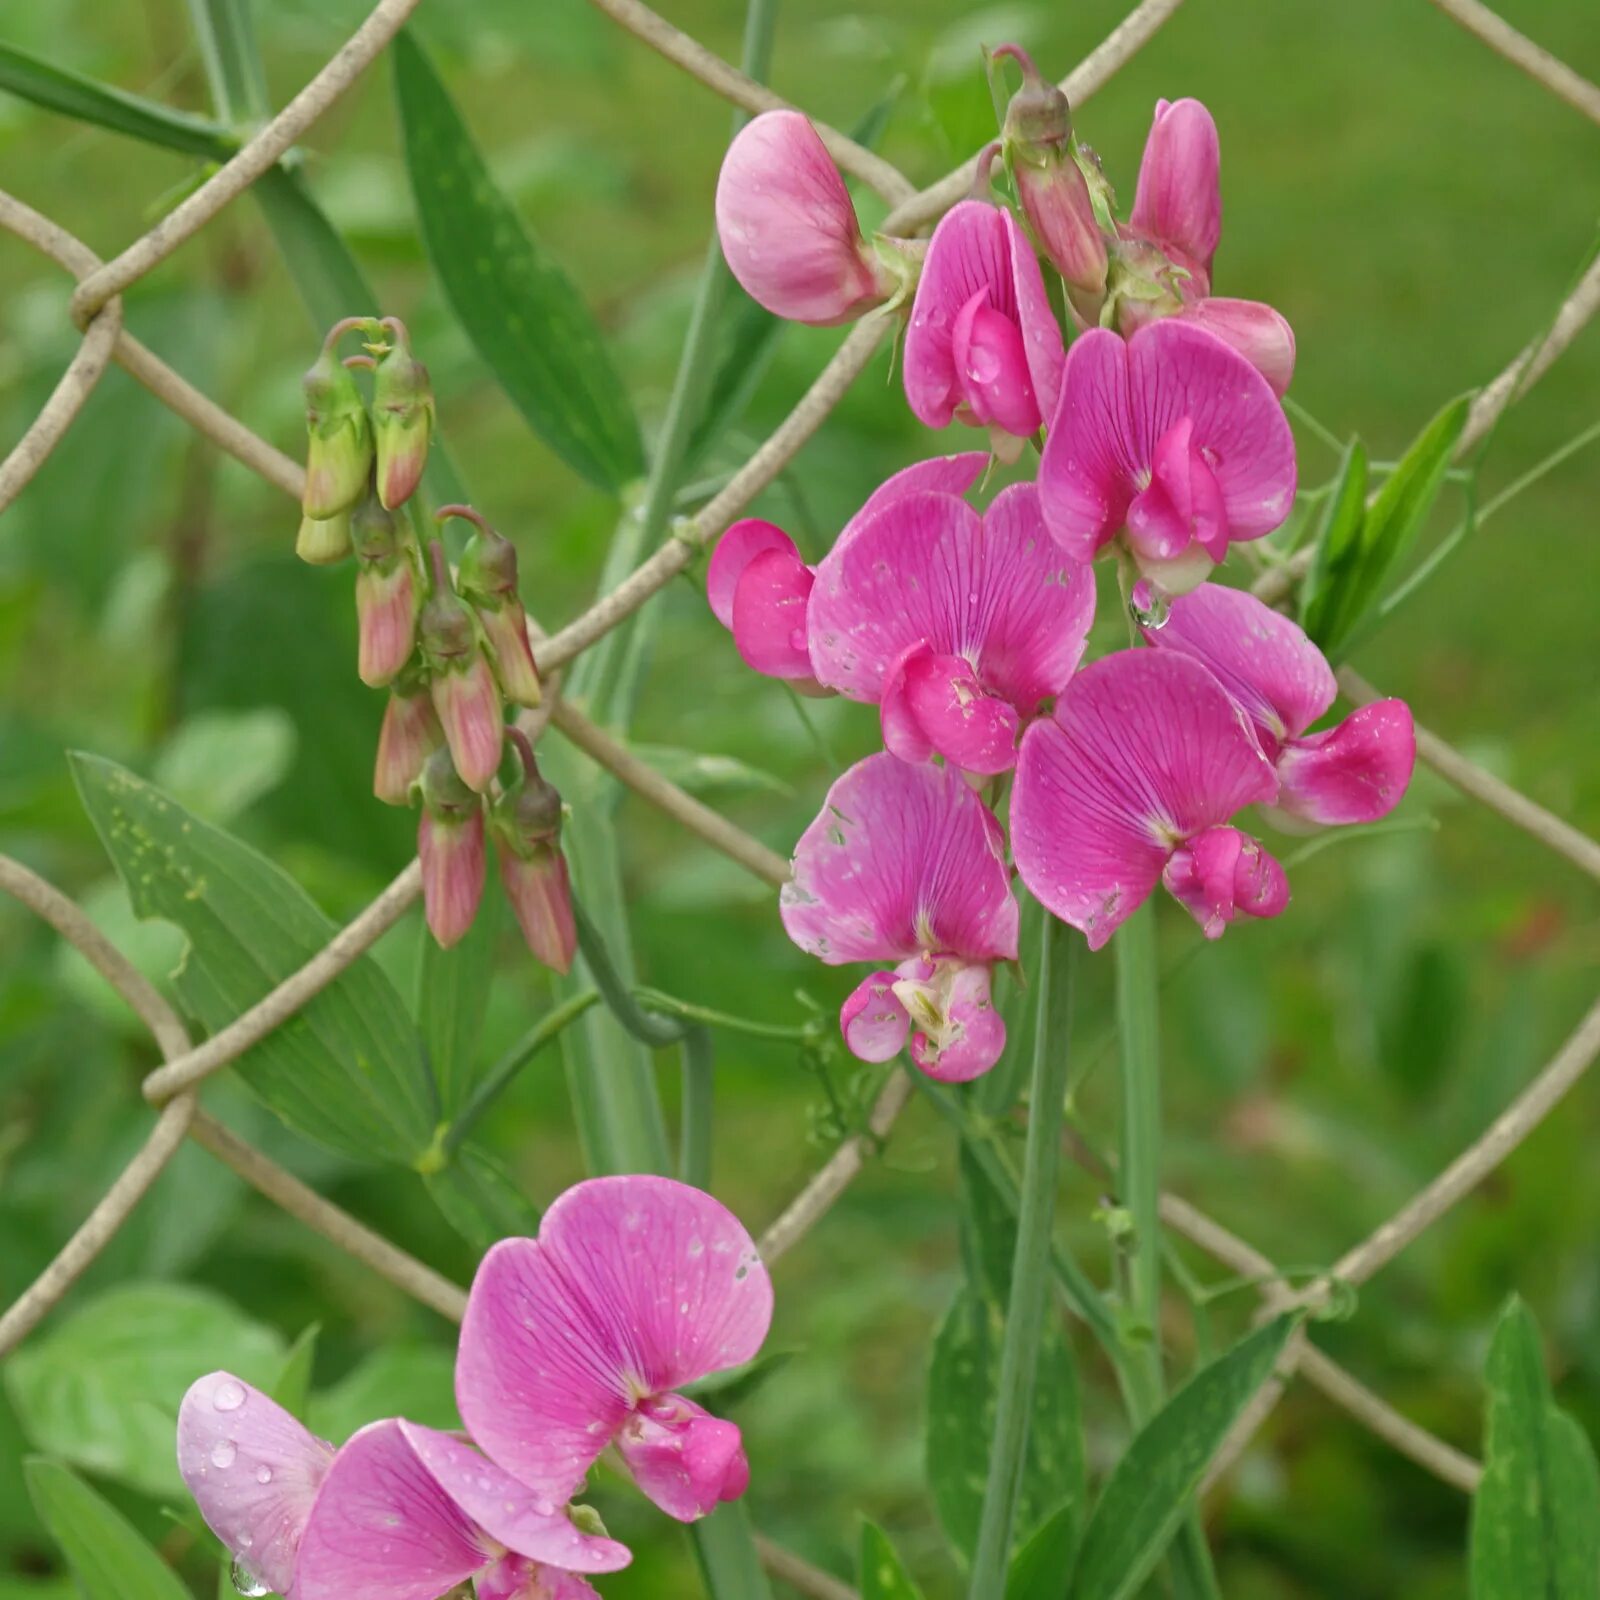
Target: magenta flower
{"type": "Point", "coordinates": [906, 864]}
{"type": "Point", "coordinates": [1355, 772]}
{"type": "Point", "coordinates": [788, 229]}
{"type": "Point", "coordinates": [400, 1512]}
{"type": "Point", "coordinates": [957, 625]}
{"type": "Point", "coordinates": [580, 1339]}
{"type": "Point", "coordinates": [983, 345]}
{"type": "Point", "coordinates": [1132, 783]}
{"type": "Point", "coordinates": [1166, 250]}
{"type": "Point", "coordinates": [1171, 439]}
{"type": "Point", "coordinates": [758, 587]}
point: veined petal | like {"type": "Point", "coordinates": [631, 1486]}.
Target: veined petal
{"type": "Point", "coordinates": [1223, 873]}
{"type": "Point", "coordinates": [513, 1578]}
{"type": "Point", "coordinates": [634, 1287]}
{"type": "Point", "coordinates": [1041, 333]}
{"type": "Point", "coordinates": [1178, 200]}
{"type": "Point", "coordinates": [954, 474]}
{"type": "Point", "coordinates": [1265, 661]}
{"type": "Point", "coordinates": [973, 1034]}
{"type": "Point", "coordinates": [769, 615]}
{"type": "Point", "coordinates": [1256, 331]}
{"type": "Point", "coordinates": [901, 859]}
{"type": "Point", "coordinates": [735, 550]}
{"type": "Point", "coordinates": [873, 1021]}
{"type": "Point", "coordinates": [683, 1458]}
{"type": "Point", "coordinates": [947, 704]}
{"type": "Point", "coordinates": [1145, 750]}
{"type": "Point", "coordinates": [253, 1470]}
{"type": "Point", "coordinates": [1355, 772]}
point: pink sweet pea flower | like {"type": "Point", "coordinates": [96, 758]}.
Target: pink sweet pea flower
{"type": "Point", "coordinates": [957, 625]}
{"type": "Point", "coordinates": [983, 345]}
{"type": "Point", "coordinates": [1178, 201]}
{"type": "Point", "coordinates": [1171, 439]}
{"type": "Point", "coordinates": [1355, 772]}
{"type": "Point", "coordinates": [1132, 783]}
{"type": "Point", "coordinates": [400, 1512]}
{"type": "Point", "coordinates": [579, 1339]}
{"type": "Point", "coordinates": [758, 587]}
{"type": "Point", "coordinates": [906, 864]}
{"type": "Point", "coordinates": [788, 228]}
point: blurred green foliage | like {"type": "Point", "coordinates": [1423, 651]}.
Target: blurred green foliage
{"type": "Point", "coordinates": [1413, 205]}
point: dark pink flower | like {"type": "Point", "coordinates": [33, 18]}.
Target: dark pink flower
{"type": "Point", "coordinates": [1171, 439]}
{"type": "Point", "coordinates": [788, 229]}
{"type": "Point", "coordinates": [758, 587]}
{"type": "Point", "coordinates": [1355, 772]}
{"type": "Point", "coordinates": [983, 345]}
{"type": "Point", "coordinates": [450, 848]}
{"type": "Point", "coordinates": [400, 1512]}
{"type": "Point", "coordinates": [635, 1287]}
{"type": "Point", "coordinates": [1178, 201]}
{"type": "Point", "coordinates": [1132, 783]}
{"type": "Point", "coordinates": [957, 625]}
{"type": "Point", "coordinates": [905, 864]}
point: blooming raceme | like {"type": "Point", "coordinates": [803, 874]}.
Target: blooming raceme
{"type": "Point", "coordinates": [571, 1341]}
{"type": "Point", "coordinates": [905, 864]}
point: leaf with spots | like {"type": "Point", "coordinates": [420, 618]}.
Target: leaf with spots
{"type": "Point", "coordinates": [524, 316]}
{"type": "Point", "coordinates": [348, 1069]}
{"type": "Point", "coordinates": [883, 1574]}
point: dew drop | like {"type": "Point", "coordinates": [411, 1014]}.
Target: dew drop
{"type": "Point", "coordinates": [246, 1582]}
{"type": "Point", "coordinates": [1149, 605]}
{"type": "Point", "coordinates": [228, 1395]}
{"type": "Point", "coordinates": [264, 1475]}
{"type": "Point", "coordinates": [223, 1453]}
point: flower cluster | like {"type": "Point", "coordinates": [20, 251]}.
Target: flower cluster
{"type": "Point", "coordinates": [451, 648]}
{"type": "Point", "coordinates": [573, 1342]}
{"type": "Point", "coordinates": [1162, 442]}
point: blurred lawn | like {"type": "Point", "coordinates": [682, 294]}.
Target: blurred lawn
{"type": "Point", "coordinates": [1413, 205]}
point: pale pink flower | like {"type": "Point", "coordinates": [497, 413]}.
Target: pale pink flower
{"type": "Point", "coordinates": [1355, 772]}
{"type": "Point", "coordinates": [905, 864]}
{"type": "Point", "coordinates": [1171, 439]}
{"type": "Point", "coordinates": [581, 1338]}
{"type": "Point", "coordinates": [957, 625]}
{"type": "Point", "coordinates": [400, 1512]}
{"type": "Point", "coordinates": [1131, 783]}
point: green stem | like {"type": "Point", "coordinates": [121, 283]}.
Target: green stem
{"type": "Point", "coordinates": [1028, 1307]}
{"type": "Point", "coordinates": [548, 1027]}
{"type": "Point", "coordinates": [671, 1006]}
{"type": "Point", "coordinates": [694, 1128]}
{"type": "Point", "coordinates": [1140, 1161]}
{"type": "Point", "coordinates": [1325, 434]}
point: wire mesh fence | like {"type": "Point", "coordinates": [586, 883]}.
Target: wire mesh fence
{"type": "Point", "coordinates": [173, 1090]}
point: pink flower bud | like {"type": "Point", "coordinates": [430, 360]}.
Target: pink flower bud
{"type": "Point", "coordinates": [465, 694]}
{"type": "Point", "coordinates": [386, 594]}
{"type": "Point", "coordinates": [1256, 331]}
{"type": "Point", "coordinates": [488, 580]}
{"type": "Point", "coordinates": [402, 418]}
{"type": "Point", "coordinates": [339, 452]}
{"type": "Point", "coordinates": [527, 830]}
{"type": "Point", "coordinates": [322, 541]}
{"type": "Point", "coordinates": [788, 229]}
{"type": "Point", "coordinates": [450, 848]}
{"type": "Point", "coordinates": [1178, 202]}
{"type": "Point", "coordinates": [410, 734]}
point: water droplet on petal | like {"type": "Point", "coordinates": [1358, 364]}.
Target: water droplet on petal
{"type": "Point", "coordinates": [228, 1395]}
{"type": "Point", "coordinates": [223, 1453]}
{"type": "Point", "coordinates": [246, 1582]}
{"type": "Point", "coordinates": [264, 1475]}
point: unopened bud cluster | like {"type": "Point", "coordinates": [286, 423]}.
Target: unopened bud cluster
{"type": "Point", "coordinates": [452, 649]}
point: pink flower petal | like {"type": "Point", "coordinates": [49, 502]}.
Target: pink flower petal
{"type": "Point", "coordinates": [901, 859]}
{"type": "Point", "coordinates": [903, 733]}
{"type": "Point", "coordinates": [508, 1511]}
{"type": "Point", "coordinates": [513, 1578]}
{"type": "Point", "coordinates": [953, 474]}
{"type": "Point", "coordinates": [1256, 331]}
{"type": "Point", "coordinates": [686, 1460]}
{"type": "Point", "coordinates": [1145, 750]}
{"type": "Point", "coordinates": [634, 1287]}
{"type": "Point", "coordinates": [769, 615]}
{"type": "Point", "coordinates": [1178, 201]}
{"type": "Point", "coordinates": [943, 699]}
{"type": "Point", "coordinates": [974, 1034]}
{"type": "Point", "coordinates": [788, 227]}
{"type": "Point", "coordinates": [1041, 333]}
{"type": "Point", "coordinates": [1261, 658]}
{"type": "Point", "coordinates": [735, 550]}
{"type": "Point", "coordinates": [986, 347]}
{"type": "Point", "coordinates": [253, 1470]}
{"type": "Point", "coordinates": [382, 1528]}
{"type": "Point", "coordinates": [873, 1021]}
{"type": "Point", "coordinates": [1356, 772]}
{"type": "Point", "coordinates": [1223, 873]}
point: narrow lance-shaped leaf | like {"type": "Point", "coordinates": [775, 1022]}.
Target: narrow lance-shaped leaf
{"type": "Point", "coordinates": [105, 1552]}
{"type": "Point", "coordinates": [1151, 1486]}
{"type": "Point", "coordinates": [1039, 1569]}
{"type": "Point", "coordinates": [1337, 541]}
{"type": "Point", "coordinates": [452, 997]}
{"type": "Point", "coordinates": [1536, 1515]}
{"type": "Point", "coordinates": [348, 1068]}
{"type": "Point", "coordinates": [883, 1574]}
{"type": "Point", "coordinates": [523, 315]}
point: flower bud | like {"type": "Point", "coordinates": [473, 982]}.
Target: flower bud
{"type": "Point", "coordinates": [487, 578]}
{"type": "Point", "coordinates": [339, 454]}
{"type": "Point", "coordinates": [402, 418]}
{"type": "Point", "coordinates": [462, 684]}
{"type": "Point", "coordinates": [386, 594]}
{"type": "Point", "coordinates": [1051, 186]}
{"type": "Point", "coordinates": [410, 734]}
{"type": "Point", "coordinates": [450, 848]}
{"type": "Point", "coordinates": [527, 831]}
{"type": "Point", "coordinates": [322, 541]}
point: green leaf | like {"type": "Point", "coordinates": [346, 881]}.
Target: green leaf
{"type": "Point", "coordinates": [452, 998]}
{"type": "Point", "coordinates": [57, 89]}
{"type": "Point", "coordinates": [725, 1549]}
{"type": "Point", "coordinates": [109, 1558]}
{"type": "Point", "coordinates": [883, 1574]}
{"type": "Point", "coordinates": [221, 762]}
{"type": "Point", "coordinates": [523, 315]}
{"type": "Point", "coordinates": [1536, 1515]}
{"type": "Point", "coordinates": [1039, 1569]}
{"type": "Point", "coordinates": [702, 773]}
{"type": "Point", "coordinates": [480, 1200]}
{"type": "Point", "coordinates": [1150, 1488]}
{"type": "Point", "coordinates": [1338, 536]}
{"type": "Point", "coordinates": [292, 1386]}
{"type": "Point", "coordinates": [412, 1381]}
{"type": "Point", "coordinates": [102, 1388]}
{"type": "Point", "coordinates": [348, 1068]}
